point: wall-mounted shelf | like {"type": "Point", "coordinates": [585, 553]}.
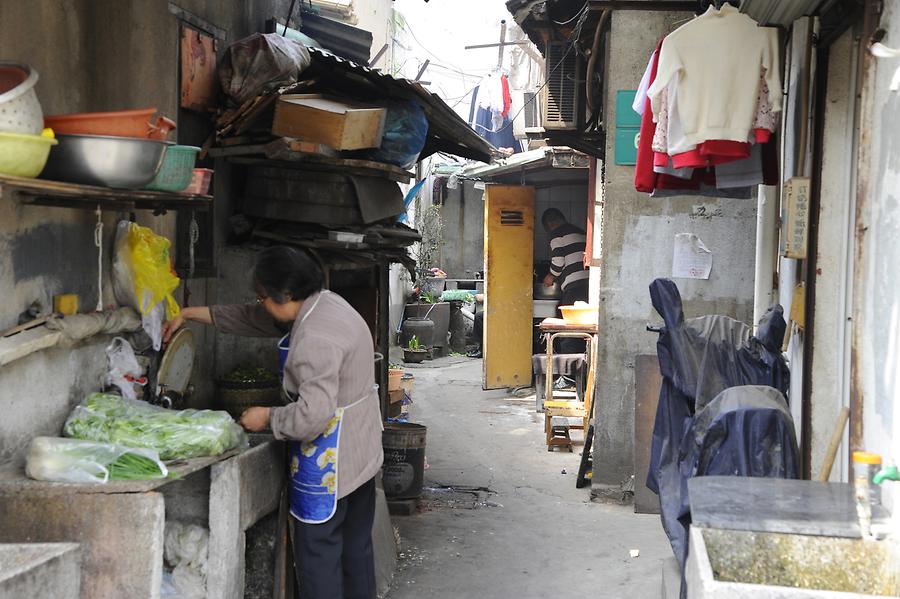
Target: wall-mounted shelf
{"type": "Point", "coordinates": [40, 192]}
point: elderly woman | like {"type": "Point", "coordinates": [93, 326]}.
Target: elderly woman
{"type": "Point", "coordinates": [332, 423]}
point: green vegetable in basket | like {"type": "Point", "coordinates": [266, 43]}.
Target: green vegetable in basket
{"type": "Point", "coordinates": [250, 374]}
{"type": "Point", "coordinates": [175, 435]}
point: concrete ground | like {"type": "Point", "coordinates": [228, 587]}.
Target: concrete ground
{"type": "Point", "coordinates": [501, 516]}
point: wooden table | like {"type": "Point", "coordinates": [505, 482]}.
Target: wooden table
{"type": "Point", "coordinates": [552, 328]}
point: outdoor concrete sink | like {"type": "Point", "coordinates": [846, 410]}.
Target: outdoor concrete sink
{"type": "Point", "coordinates": [734, 564]}
{"type": "Point", "coordinates": [259, 438]}
{"type": "Point", "coordinates": [40, 570]}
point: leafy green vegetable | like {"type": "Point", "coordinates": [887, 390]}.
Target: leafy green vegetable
{"type": "Point", "coordinates": [250, 374]}
{"type": "Point", "coordinates": [413, 344]}
{"type": "Point", "coordinates": [175, 435]}
{"type": "Point", "coordinates": [133, 466]}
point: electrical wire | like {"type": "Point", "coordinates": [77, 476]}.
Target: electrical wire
{"type": "Point", "coordinates": [574, 41]}
{"type": "Point", "coordinates": [406, 27]}
{"type": "Point", "coordinates": [577, 15]}
{"type": "Point", "coordinates": [536, 94]}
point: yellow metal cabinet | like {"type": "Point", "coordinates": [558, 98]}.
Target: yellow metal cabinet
{"type": "Point", "coordinates": [508, 271]}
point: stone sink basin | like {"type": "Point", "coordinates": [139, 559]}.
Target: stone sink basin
{"type": "Point", "coordinates": [737, 564]}
{"type": "Point", "coordinates": [40, 570]}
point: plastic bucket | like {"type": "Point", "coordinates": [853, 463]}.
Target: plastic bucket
{"type": "Point", "coordinates": [404, 459]}
{"type": "Point", "coordinates": [177, 169]}
{"type": "Point", "coordinates": [284, 346]}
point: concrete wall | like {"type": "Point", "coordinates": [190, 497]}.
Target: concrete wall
{"type": "Point", "coordinates": [830, 382]}
{"type": "Point", "coordinates": [462, 253]}
{"type": "Point", "coordinates": [877, 296]}
{"type": "Point", "coordinates": [91, 55]}
{"type": "Point", "coordinates": [638, 235]}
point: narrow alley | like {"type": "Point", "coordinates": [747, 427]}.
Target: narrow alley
{"type": "Point", "coordinates": [499, 507]}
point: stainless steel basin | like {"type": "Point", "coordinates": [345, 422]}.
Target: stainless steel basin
{"type": "Point", "coordinates": [121, 162]}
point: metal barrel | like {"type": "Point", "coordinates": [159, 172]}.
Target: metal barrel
{"type": "Point", "coordinates": [404, 459]}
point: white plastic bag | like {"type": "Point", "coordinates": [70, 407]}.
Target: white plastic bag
{"type": "Point", "coordinates": [57, 459]}
{"type": "Point", "coordinates": [186, 549]}
{"type": "Point", "coordinates": [123, 368]}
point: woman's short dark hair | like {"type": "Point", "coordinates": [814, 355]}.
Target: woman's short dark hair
{"type": "Point", "coordinates": [284, 273]}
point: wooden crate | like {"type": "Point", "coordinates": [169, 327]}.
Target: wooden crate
{"type": "Point", "coordinates": [339, 124]}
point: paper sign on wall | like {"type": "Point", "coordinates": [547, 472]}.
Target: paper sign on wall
{"type": "Point", "coordinates": [691, 259]}
{"type": "Point", "coordinates": [796, 217]}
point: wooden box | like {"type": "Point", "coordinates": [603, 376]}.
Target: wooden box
{"type": "Point", "coordinates": [339, 124]}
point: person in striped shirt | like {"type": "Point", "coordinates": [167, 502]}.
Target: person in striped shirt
{"type": "Point", "coordinates": [567, 243]}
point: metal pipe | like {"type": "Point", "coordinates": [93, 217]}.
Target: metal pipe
{"type": "Point", "coordinates": [766, 250]}
{"type": "Point", "coordinates": [592, 61]}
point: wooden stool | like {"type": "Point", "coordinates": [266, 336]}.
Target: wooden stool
{"type": "Point", "coordinates": [558, 436]}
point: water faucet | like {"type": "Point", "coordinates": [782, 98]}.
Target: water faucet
{"type": "Point", "coordinates": [888, 473]}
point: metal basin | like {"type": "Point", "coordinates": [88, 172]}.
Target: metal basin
{"type": "Point", "coordinates": [122, 162]}
{"type": "Point", "coordinates": [734, 564]}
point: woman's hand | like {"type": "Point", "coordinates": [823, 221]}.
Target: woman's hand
{"type": "Point", "coordinates": [170, 326]}
{"type": "Point", "coordinates": [194, 313]}
{"type": "Point", "coordinates": [255, 419]}
{"type": "Point", "coordinates": [548, 280]}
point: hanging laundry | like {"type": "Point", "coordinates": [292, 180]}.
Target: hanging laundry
{"type": "Point", "coordinates": [493, 106]}
{"type": "Point", "coordinates": [507, 97]}
{"type": "Point", "coordinates": [717, 101]}
{"type": "Point", "coordinates": [708, 118]}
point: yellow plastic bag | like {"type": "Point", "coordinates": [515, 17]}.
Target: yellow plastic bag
{"type": "Point", "coordinates": [151, 268]}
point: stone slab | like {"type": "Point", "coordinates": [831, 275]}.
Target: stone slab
{"type": "Point", "coordinates": [384, 544]}
{"type": "Point", "coordinates": [262, 476]}
{"type": "Point", "coordinates": [121, 537]}
{"type": "Point", "coordinates": [227, 545]}
{"type": "Point", "coordinates": [775, 505]}
{"type": "Point", "coordinates": [40, 570]}
{"type": "Point", "coordinates": [15, 482]}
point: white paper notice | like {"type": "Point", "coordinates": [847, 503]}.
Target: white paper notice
{"type": "Point", "coordinates": [692, 259]}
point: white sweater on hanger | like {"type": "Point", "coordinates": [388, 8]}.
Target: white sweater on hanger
{"type": "Point", "coordinates": [717, 58]}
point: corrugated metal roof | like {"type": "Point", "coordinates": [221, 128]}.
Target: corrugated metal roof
{"type": "Point", "coordinates": [447, 131]}
{"type": "Point", "coordinates": [540, 158]}
{"type": "Point", "coordinates": [778, 12]}
{"type": "Point", "coordinates": [344, 40]}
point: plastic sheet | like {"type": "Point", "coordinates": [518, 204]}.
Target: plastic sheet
{"type": "Point", "coordinates": [697, 433]}
{"type": "Point", "coordinates": [260, 63]}
{"type": "Point", "coordinates": [186, 550]}
{"type": "Point", "coordinates": [123, 367]}
{"type": "Point", "coordinates": [143, 277]}
{"type": "Point", "coordinates": [405, 132]}
{"type": "Point", "coordinates": [73, 461]}
{"type": "Point", "coordinates": [174, 434]}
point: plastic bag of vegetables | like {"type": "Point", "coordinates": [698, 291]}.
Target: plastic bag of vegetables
{"type": "Point", "coordinates": [75, 461]}
{"type": "Point", "coordinates": [175, 435]}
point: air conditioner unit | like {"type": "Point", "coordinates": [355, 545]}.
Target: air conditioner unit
{"type": "Point", "coordinates": [562, 93]}
{"type": "Point", "coordinates": [527, 110]}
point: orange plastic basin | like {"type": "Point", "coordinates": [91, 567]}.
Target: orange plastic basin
{"type": "Point", "coordinates": [124, 123]}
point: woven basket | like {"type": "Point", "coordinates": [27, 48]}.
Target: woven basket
{"type": "Point", "coordinates": [235, 398]}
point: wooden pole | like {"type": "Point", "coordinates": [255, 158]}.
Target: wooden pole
{"type": "Point", "coordinates": [836, 437]}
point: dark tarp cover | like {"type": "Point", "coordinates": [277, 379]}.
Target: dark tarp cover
{"type": "Point", "coordinates": [698, 432]}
